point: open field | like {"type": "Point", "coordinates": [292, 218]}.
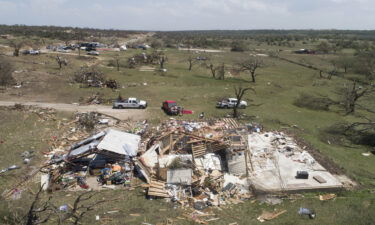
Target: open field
{"type": "Point", "coordinates": [277, 87]}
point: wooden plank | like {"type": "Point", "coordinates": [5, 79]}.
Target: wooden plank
{"type": "Point", "coordinates": [199, 150]}
{"type": "Point", "coordinates": [158, 194]}
{"type": "Point", "coordinates": [170, 146]}
{"type": "Point", "coordinates": [164, 135]}
{"type": "Point", "coordinates": [171, 142]}
{"type": "Point", "coordinates": [156, 186]}
{"type": "Point", "coordinates": [162, 191]}
{"type": "Point", "coordinates": [319, 179]}
{"type": "Point", "coordinates": [157, 182]}
{"type": "Point", "coordinates": [194, 141]}
{"type": "Point", "coordinates": [192, 136]}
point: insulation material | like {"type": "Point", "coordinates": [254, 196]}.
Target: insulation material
{"type": "Point", "coordinates": [208, 161]}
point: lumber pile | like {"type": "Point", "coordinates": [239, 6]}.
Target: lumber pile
{"type": "Point", "coordinates": [157, 189]}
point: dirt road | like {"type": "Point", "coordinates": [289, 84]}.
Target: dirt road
{"type": "Point", "coordinates": [123, 114]}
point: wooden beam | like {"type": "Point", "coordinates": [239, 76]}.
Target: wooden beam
{"type": "Point", "coordinates": [171, 145]}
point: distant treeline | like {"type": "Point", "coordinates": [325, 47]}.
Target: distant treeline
{"type": "Point", "coordinates": [292, 34]}
{"type": "Point", "coordinates": [224, 38]}
{"type": "Point", "coordinates": [62, 33]}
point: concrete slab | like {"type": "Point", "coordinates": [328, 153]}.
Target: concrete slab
{"type": "Point", "coordinates": [275, 160]}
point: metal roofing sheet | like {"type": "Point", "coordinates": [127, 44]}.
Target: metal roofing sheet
{"type": "Point", "coordinates": [120, 142]}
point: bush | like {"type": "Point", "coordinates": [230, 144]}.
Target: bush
{"type": "Point", "coordinates": [6, 71]}
{"type": "Point", "coordinates": [312, 102]}
{"type": "Point", "coordinates": [238, 47]}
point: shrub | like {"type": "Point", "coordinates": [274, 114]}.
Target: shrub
{"type": "Point", "coordinates": [312, 102]}
{"type": "Point", "coordinates": [238, 47]}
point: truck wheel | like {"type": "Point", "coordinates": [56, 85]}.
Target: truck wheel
{"type": "Point", "coordinates": [120, 107]}
{"type": "Point", "coordinates": [141, 107]}
{"type": "Point", "coordinates": [225, 107]}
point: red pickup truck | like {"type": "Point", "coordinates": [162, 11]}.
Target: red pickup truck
{"type": "Point", "coordinates": [171, 108]}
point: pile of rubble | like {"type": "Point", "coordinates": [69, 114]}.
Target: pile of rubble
{"type": "Point", "coordinates": [195, 164]}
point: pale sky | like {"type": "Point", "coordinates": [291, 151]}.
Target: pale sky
{"type": "Point", "coordinates": [192, 14]}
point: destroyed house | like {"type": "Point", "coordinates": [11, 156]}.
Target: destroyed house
{"type": "Point", "coordinates": [201, 164]}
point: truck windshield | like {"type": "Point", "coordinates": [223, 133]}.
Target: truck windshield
{"type": "Point", "coordinates": [172, 104]}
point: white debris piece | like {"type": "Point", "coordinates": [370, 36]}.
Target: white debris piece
{"type": "Point", "coordinates": [120, 142]}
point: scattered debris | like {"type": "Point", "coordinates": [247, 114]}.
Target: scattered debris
{"type": "Point", "coordinates": [327, 197]}
{"type": "Point", "coordinates": [9, 169]}
{"type": "Point", "coordinates": [305, 211]}
{"type": "Point", "coordinates": [366, 154]}
{"type": "Point", "coordinates": [265, 216]}
{"type": "Point", "coordinates": [194, 164]}
{"type": "Point", "coordinates": [94, 99]}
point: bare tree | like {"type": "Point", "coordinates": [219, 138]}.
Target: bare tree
{"type": "Point", "coordinates": [43, 211]}
{"type": "Point", "coordinates": [366, 64]}
{"type": "Point", "coordinates": [362, 126]}
{"type": "Point", "coordinates": [17, 45]}
{"type": "Point", "coordinates": [117, 60]}
{"type": "Point", "coordinates": [343, 62]}
{"type": "Point", "coordinates": [200, 59]}
{"type": "Point", "coordinates": [251, 64]}
{"type": "Point", "coordinates": [6, 71]}
{"type": "Point", "coordinates": [39, 212]}
{"type": "Point", "coordinates": [352, 93]}
{"type": "Point", "coordinates": [61, 61]}
{"type": "Point", "coordinates": [239, 92]}
{"type": "Point", "coordinates": [191, 60]}
{"type": "Point", "coordinates": [80, 38]}
{"type": "Point", "coordinates": [213, 70]}
{"type": "Point", "coordinates": [221, 72]}
{"type": "Point", "coordinates": [162, 60]}
{"type": "Point", "coordinates": [361, 132]}
{"type": "Point", "coordinates": [217, 72]}
{"type": "Point", "coordinates": [81, 207]}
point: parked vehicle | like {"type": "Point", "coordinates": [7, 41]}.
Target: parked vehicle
{"type": "Point", "coordinates": [230, 103]}
{"type": "Point", "coordinates": [34, 52]}
{"type": "Point", "coordinates": [171, 108]}
{"type": "Point", "coordinates": [123, 48]}
{"type": "Point", "coordinates": [130, 103]}
{"type": "Point", "coordinates": [93, 53]}
{"type": "Point", "coordinates": [31, 52]}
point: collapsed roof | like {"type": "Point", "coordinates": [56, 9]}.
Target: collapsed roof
{"type": "Point", "coordinates": [110, 141]}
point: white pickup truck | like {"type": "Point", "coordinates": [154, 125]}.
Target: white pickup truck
{"type": "Point", "coordinates": [230, 103]}
{"type": "Point", "coordinates": [130, 103]}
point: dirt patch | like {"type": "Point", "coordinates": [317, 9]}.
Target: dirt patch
{"type": "Point", "coordinates": [128, 114]}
